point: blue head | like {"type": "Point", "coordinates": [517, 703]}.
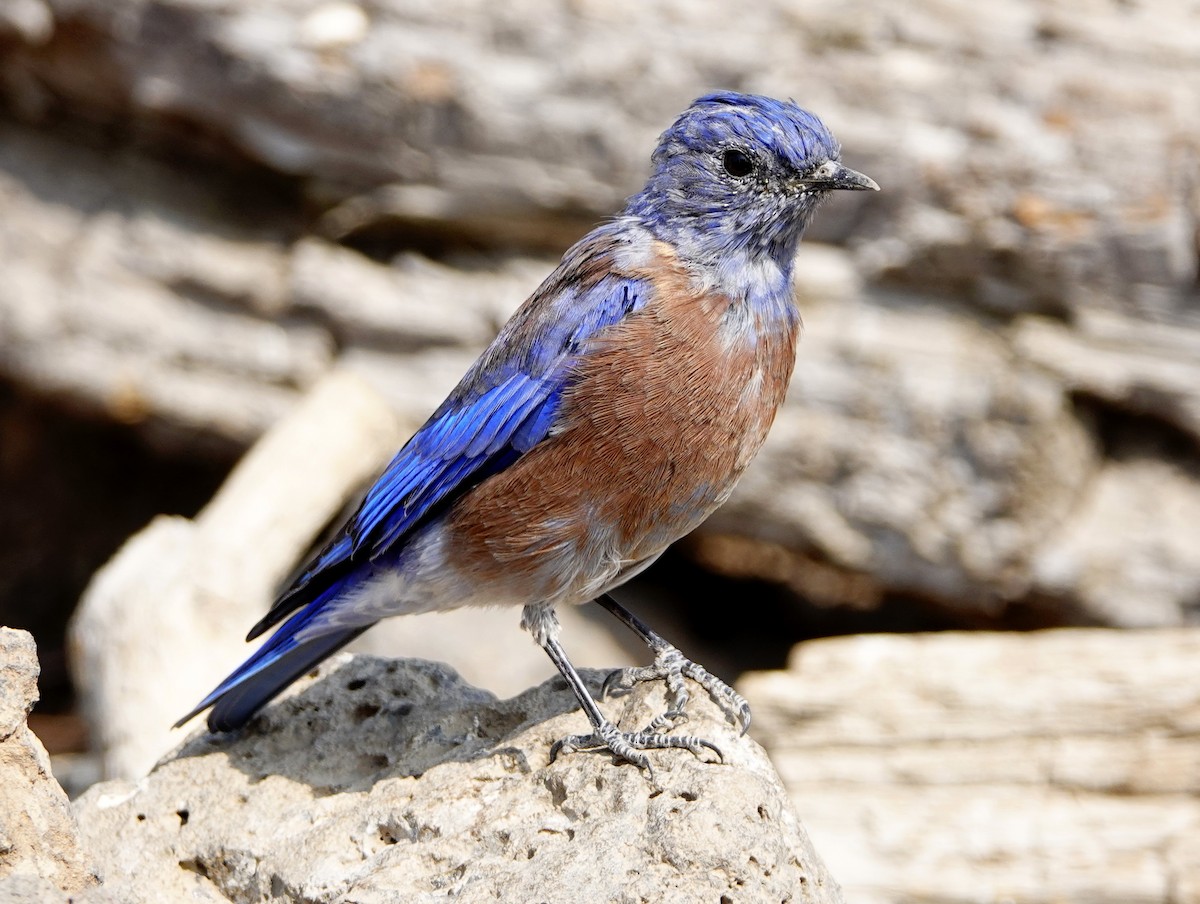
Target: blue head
{"type": "Point", "coordinates": [739, 176]}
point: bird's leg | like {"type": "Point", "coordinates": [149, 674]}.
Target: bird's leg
{"type": "Point", "coordinates": [541, 621]}
{"type": "Point", "coordinates": [673, 667]}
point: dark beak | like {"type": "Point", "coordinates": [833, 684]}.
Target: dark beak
{"type": "Point", "coordinates": [845, 178]}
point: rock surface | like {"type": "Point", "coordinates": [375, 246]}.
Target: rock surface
{"type": "Point", "coordinates": [394, 781]}
{"type": "Point", "coordinates": [40, 849]}
{"type": "Point", "coordinates": [1045, 767]}
{"type": "Point", "coordinates": [496, 121]}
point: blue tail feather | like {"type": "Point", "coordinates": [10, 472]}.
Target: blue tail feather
{"type": "Point", "coordinates": [276, 664]}
{"type": "Point", "coordinates": [248, 695]}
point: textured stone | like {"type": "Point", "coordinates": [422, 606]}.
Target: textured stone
{"type": "Point", "coordinates": [1139, 367]}
{"type": "Point", "coordinates": [126, 295]}
{"type": "Point", "coordinates": [1006, 180]}
{"type": "Point", "coordinates": [395, 781]}
{"type": "Point", "coordinates": [1129, 552]}
{"type": "Point", "coordinates": [39, 839]}
{"type": "Point", "coordinates": [1044, 767]}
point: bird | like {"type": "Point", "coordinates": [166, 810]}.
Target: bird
{"type": "Point", "coordinates": [611, 415]}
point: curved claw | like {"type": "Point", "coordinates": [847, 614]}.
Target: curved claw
{"type": "Point", "coordinates": [556, 748]}
{"type": "Point", "coordinates": [615, 684]}
{"type": "Point", "coordinates": [699, 745]}
{"type": "Point", "coordinates": [740, 715]}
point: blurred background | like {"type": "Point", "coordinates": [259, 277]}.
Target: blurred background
{"type": "Point", "coordinates": [208, 210]}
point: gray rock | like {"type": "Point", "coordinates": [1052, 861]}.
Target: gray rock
{"type": "Point", "coordinates": [129, 297]}
{"type": "Point", "coordinates": [40, 849]}
{"type": "Point", "coordinates": [25, 889]}
{"type": "Point", "coordinates": [124, 294]}
{"type": "Point", "coordinates": [1129, 551]}
{"type": "Point", "coordinates": [1006, 179]}
{"type": "Point", "coordinates": [1037, 767]}
{"type": "Point", "coordinates": [394, 781]}
{"type": "Point", "coordinates": [1140, 367]}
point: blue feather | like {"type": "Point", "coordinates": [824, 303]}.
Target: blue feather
{"type": "Point", "coordinates": [472, 435]}
{"type": "Point", "coordinates": [276, 658]}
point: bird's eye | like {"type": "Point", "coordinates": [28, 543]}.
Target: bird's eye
{"type": "Point", "coordinates": [737, 163]}
{"type": "Point", "coordinates": [826, 170]}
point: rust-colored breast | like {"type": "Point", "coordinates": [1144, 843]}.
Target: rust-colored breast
{"type": "Point", "coordinates": [667, 409]}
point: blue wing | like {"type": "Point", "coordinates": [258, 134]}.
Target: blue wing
{"type": "Point", "coordinates": [507, 403]}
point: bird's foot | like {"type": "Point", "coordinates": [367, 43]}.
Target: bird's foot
{"type": "Point", "coordinates": [628, 746]}
{"type": "Point", "coordinates": [673, 667]}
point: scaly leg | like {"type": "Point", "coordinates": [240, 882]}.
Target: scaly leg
{"type": "Point", "coordinates": [673, 667]}
{"type": "Point", "coordinates": [542, 623]}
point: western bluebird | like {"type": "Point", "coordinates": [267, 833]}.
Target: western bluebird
{"type": "Point", "coordinates": [611, 415]}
